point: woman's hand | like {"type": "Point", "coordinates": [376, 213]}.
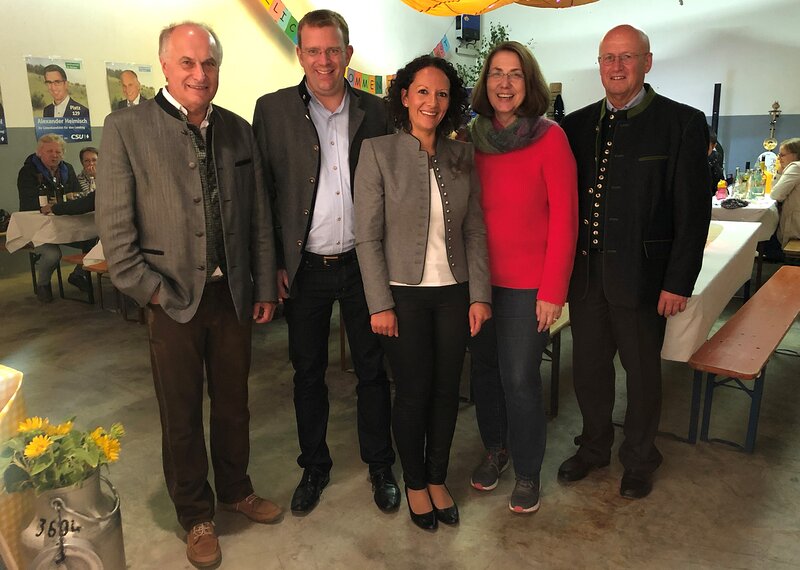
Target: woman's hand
{"type": "Point", "coordinates": [479, 313]}
{"type": "Point", "coordinates": [546, 314]}
{"type": "Point", "coordinates": [384, 323]}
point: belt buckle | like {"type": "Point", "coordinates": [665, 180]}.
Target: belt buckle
{"type": "Point", "coordinates": [328, 259]}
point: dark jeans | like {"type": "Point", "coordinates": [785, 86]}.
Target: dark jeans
{"type": "Point", "coordinates": [308, 314]}
{"type": "Point", "coordinates": [426, 360]}
{"type": "Point", "coordinates": [599, 331]}
{"type": "Point", "coordinates": [506, 382]}
{"type": "Point", "coordinates": [214, 345]}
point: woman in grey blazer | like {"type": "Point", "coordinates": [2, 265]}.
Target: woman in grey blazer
{"type": "Point", "coordinates": [421, 245]}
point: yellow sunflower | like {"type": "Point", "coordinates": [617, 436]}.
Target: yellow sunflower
{"type": "Point", "coordinates": [110, 447]}
{"type": "Point", "coordinates": [32, 424]}
{"type": "Point", "coordinates": [60, 429]}
{"type": "Point", "coordinates": [37, 446]}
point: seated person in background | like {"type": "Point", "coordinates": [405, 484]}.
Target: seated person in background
{"type": "Point", "coordinates": [45, 174]}
{"type": "Point", "coordinates": [88, 157]}
{"type": "Point", "coordinates": [716, 160]}
{"type": "Point", "coordinates": [787, 190]}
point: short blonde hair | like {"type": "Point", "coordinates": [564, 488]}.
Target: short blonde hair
{"type": "Point", "coordinates": [52, 138]}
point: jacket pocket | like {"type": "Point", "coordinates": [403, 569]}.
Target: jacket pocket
{"type": "Point", "coordinates": [653, 157]}
{"type": "Point", "coordinates": [657, 248]}
{"type": "Point", "coordinates": [151, 251]}
{"type": "Point", "coordinates": [243, 162]}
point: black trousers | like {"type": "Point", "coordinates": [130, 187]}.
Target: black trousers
{"type": "Point", "coordinates": [308, 314]}
{"type": "Point", "coordinates": [426, 360]}
{"type": "Point", "coordinates": [213, 346]}
{"type": "Point", "coordinates": [599, 331]}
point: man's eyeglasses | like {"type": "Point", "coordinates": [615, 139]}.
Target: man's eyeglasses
{"type": "Point", "coordinates": [624, 58]}
{"type": "Point", "coordinates": [331, 52]}
{"type": "Point", "coordinates": [56, 82]}
{"type": "Point", "coordinates": [513, 76]}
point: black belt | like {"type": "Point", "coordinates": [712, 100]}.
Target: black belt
{"type": "Point", "coordinates": [316, 261]}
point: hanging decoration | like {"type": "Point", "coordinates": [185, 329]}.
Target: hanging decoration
{"type": "Point", "coordinates": [375, 84]}
{"type": "Point", "coordinates": [478, 7]}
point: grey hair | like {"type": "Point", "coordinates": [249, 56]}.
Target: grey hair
{"type": "Point", "coordinates": [166, 33]}
{"type": "Point", "coordinates": [51, 138]}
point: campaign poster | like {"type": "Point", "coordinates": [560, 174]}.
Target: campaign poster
{"type": "Point", "coordinates": [3, 130]}
{"type": "Point", "coordinates": [58, 98]}
{"type": "Point", "coordinates": [129, 84]}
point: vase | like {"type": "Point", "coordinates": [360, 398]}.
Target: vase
{"type": "Point", "coordinates": [76, 527]}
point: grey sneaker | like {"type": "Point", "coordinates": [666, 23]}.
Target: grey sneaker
{"type": "Point", "coordinates": [485, 476]}
{"type": "Point", "coordinates": [524, 497]}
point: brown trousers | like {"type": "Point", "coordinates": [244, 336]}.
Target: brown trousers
{"type": "Point", "coordinates": [213, 345]}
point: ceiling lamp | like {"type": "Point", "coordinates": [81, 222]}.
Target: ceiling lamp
{"type": "Point", "coordinates": [456, 7]}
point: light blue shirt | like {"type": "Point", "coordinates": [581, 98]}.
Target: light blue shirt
{"type": "Point", "coordinates": [332, 226]}
{"type": "Point", "coordinates": [632, 103]}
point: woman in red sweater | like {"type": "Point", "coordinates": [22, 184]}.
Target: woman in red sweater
{"type": "Point", "coordinates": [529, 201]}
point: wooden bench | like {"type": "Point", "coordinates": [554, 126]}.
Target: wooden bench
{"type": "Point", "coordinates": [738, 352]}
{"type": "Point", "coordinates": [791, 251]}
{"type": "Point", "coordinates": [553, 354]}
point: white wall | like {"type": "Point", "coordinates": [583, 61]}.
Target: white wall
{"type": "Point", "coordinates": [747, 45]}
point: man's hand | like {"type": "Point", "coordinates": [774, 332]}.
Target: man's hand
{"type": "Point", "coordinates": [283, 285]}
{"type": "Point", "coordinates": [670, 304]}
{"type": "Point", "coordinates": [263, 311]}
{"type": "Point", "coordinates": [546, 314]}
{"type": "Point", "coordinates": [479, 313]}
{"type": "Point", "coordinates": [154, 297]}
{"type": "Point", "coordinates": [46, 209]}
{"type": "Point", "coordinates": [385, 323]}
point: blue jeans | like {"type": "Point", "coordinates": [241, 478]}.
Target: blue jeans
{"type": "Point", "coordinates": [506, 382]}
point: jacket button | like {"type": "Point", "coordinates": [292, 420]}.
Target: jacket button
{"type": "Point", "coordinates": [199, 234]}
{"type": "Point", "coordinates": [201, 267]}
{"type": "Point", "coordinates": [316, 147]}
{"type": "Point", "coordinates": [583, 252]}
{"type": "Point", "coordinates": [192, 165]}
{"type": "Point", "coordinates": [299, 243]}
{"type": "Point", "coordinates": [586, 222]}
{"type": "Point", "coordinates": [311, 180]}
{"type": "Point", "coordinates": [197, 200]}
{"type": "Point", "coordinates": [305, 212]}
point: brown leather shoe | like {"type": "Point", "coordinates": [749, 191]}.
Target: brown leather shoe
{"type": "Point", "coordinates": [256, 509]}
{"type": "Point", "coordinates": [202, 546]}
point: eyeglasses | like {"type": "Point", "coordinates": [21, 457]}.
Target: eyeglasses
{"type": "Point", "coordinates": [623, 58]}
{"type": "Point", "coordinates": [56, 82]}
{"type": "Point", "coordinates": [513, 76]}
{"type": "Point", "coordinates": [331, 52]}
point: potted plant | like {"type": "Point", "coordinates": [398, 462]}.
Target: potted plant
{"type": "Point", "coordinates": [73, 519]}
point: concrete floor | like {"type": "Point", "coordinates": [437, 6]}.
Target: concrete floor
{"type": "Point", "coordinates": [712, 507]}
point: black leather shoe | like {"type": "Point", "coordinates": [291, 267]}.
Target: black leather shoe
{"type": "Point", "coordinates": [425, 521]}
{"type": "Point", "coordinates": [307, 494]}
{"type": "Point", "coordinates": [448, 515]}
{"type": "Point", "coordinates": [81, 280]}
{"type": "Point", "coordinates": [635, 485]}
{"type": "Point", "coordinates": [385, 490]}
{"type": "Point", "coordinates": [576, 468]}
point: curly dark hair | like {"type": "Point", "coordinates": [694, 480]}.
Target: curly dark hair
{"type": "Point", "coordinates": [457, 113]}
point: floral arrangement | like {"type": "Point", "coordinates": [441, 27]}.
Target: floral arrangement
{"type": "Point", "coordinates": [46, 456]}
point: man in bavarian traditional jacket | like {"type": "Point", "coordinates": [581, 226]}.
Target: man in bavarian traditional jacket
{"type": "Point", "coordinates": [644, 212]}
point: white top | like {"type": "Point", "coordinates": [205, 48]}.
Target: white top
{"type": "Point", "coordinates": [436, 272]}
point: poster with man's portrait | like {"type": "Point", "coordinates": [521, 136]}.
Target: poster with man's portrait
{"type": "Point", "coordinates": [58, 98]}
{"type": "Point", "coordinates": [129, 84]}
{"type": "Point", "coordinates": [3, 130]}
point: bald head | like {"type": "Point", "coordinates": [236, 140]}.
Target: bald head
{"type": "Point", "coordinates": [624, 59]}
{"type": "Point", "coordinates": [130, 85]}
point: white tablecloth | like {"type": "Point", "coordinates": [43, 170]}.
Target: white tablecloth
{"type": "Point", "coordinates": [763, 210]}
{"type": "Point", "coordinates": [37, 228]}
{"type": "Point", "coordinates": [727, 265]}
{"type": "Point", "coordinates": [95, 255]}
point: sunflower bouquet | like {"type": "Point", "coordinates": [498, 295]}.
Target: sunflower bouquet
{"type": "Point", "coordinates": [45, 456]}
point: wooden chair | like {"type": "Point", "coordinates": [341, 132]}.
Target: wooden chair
{"type": "Point", "coordinates": [791, 252]}
{"type": "Point", "coordinates": [101, 270]}
{"type": "Point", "coordinates": [553, 355]}
{"type": "Point", "coordinates": [739, 351]}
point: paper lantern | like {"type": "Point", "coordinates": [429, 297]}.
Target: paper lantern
{"type": "Point", "coordinates": [456, 7]}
